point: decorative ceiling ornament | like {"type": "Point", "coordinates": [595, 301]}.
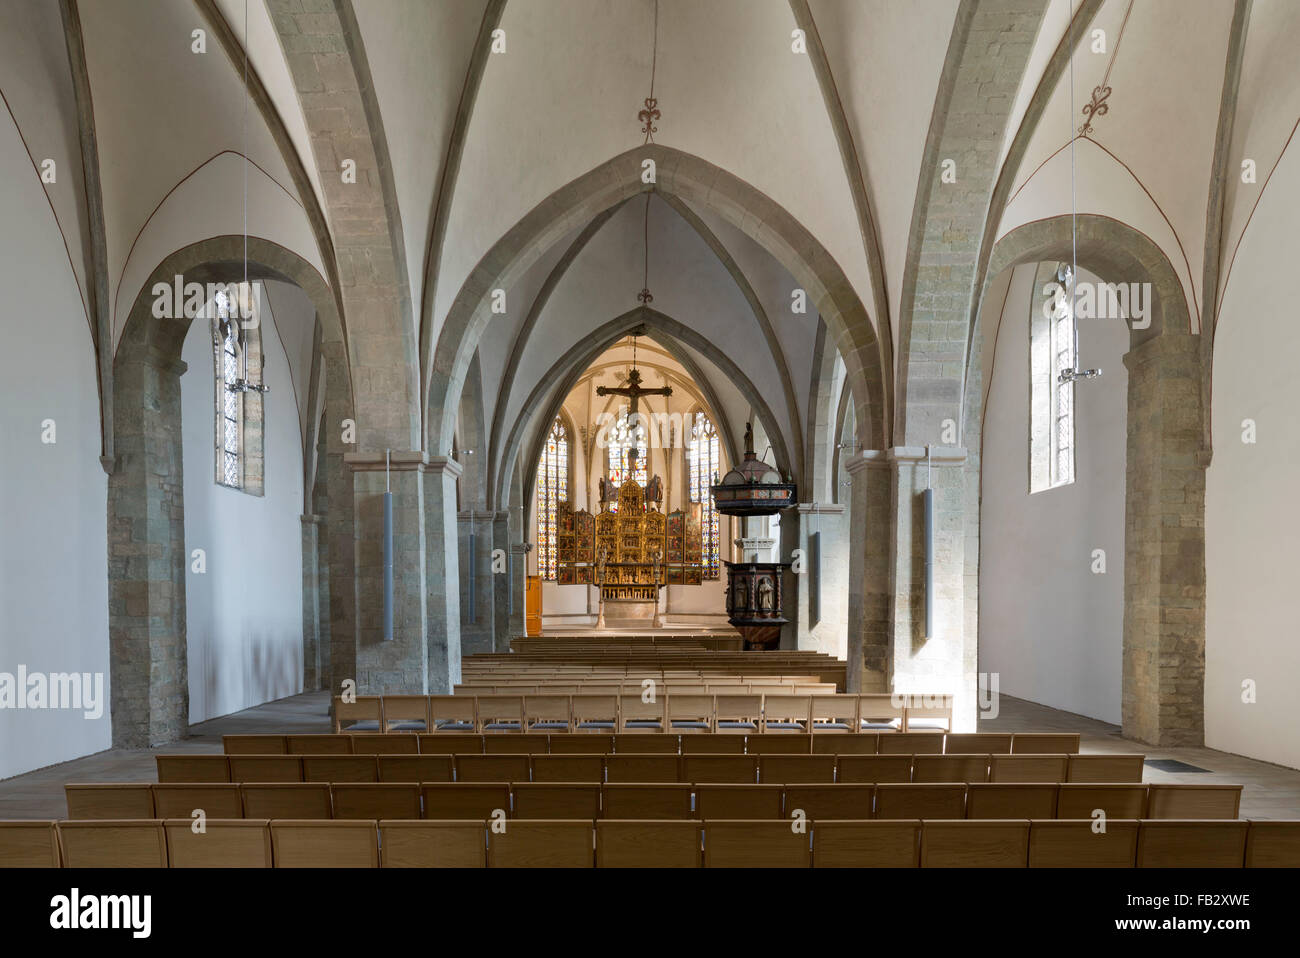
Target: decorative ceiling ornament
{"type": "Point", "coordinates": [1095, 108]}
{"type": "Point", "coordinates": [649, 114]}
{"type": "Point", "coordinates": [648, 117]}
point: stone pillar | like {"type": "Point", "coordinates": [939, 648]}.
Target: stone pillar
{"type": "Point", "coordinates": [829, 634]}
{"type": "Point", "coordinates": [320, 507]}
{"type": "Point", "coordinates": [147, 559]}
{"type": "Point", "coordinates": [442, 545]}
{"type": "Point", "coordinates": [477, 620]}
{"type": "Point", "coordinates": [340, 532]}
{"type": "Point", "coordinates": [946, 660]}
{"type": "Point", "coordinates": [1164, 552]}
{"type": "Point", "coordinates": [518, 576]}
{"type": "Point", "coordinates": [870, 668]}
{"type": "Point", "coordinates": [888, 648]}
{"type": "Point", "coordinates": [501, 582]}
{"type": "Point", "coordinates": [312, 674]}
{"type": "Point", "coordinates": [400, 665]}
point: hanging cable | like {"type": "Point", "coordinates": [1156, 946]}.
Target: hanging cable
{"type": "Point", "coordinates": [243, 120]}
{"type": "Point", "coordinates": [649, 115]}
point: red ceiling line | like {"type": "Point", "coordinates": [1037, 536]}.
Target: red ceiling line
{"type": "Point", "coordinates": [1195, 302]}
{"type": "Point", "coordinates": [1191, 280]}
{"type": "Point", "coordinates": [57, 225]}
{"type": "Point", "coordinates": [117, 293]}
{"type": "Point", "coordinates": [1036, 169]}
{"type": "Point", "coordinates": [1223, 290]}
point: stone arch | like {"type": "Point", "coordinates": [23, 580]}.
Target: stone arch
{"type": "Point", "coordinates": [146, 524]}
{"type": "Point", "coordinates": [826, 398]}
{"type": "Point", "coordinates": [693, 180]}
{"type": "Point", "coordinates": [570, 367]}
{"type": "Point", "coordinates": [1164, 549]}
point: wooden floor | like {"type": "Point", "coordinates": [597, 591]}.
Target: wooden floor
{"type": "Point", "coordinates": [1269, 791]}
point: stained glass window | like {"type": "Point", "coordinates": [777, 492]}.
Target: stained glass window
{"type": "Point", "coordinates": [620, 438]}
{"type": "Point", "coordinates": [702, 468]}
{"type": "Point", "coordinates": [230, 471]}
{"type": "Point", "coordinates": [552, 489]}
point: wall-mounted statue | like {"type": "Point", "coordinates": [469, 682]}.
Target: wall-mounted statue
{"type": "Point", "coordinates": [741, 599]}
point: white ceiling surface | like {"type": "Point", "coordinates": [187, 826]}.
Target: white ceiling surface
{"type": "Point", "coordinates": [267, 60]}
{"type": "Point", "coordinates": [161, 113]}
{"type": "Point", "coordinates": [419, 54]}
{"type": "Point", "coordinates": [1161, 125]}
{"type": "Point", "coordinates": [564, 98]}
{"type": "Point", "coordinates": [887, 88]}
{"type": "Point", "coordinates": [502, 331]}
{"type": "Point", "coordinates": [189, 214]}
{"type": "Point", "coordinates": [37, 86]}
{"type": "Point", "coordinates": [1268, 109]}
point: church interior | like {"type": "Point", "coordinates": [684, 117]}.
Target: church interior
{"type": "Point", "coordinates": [648, 433]}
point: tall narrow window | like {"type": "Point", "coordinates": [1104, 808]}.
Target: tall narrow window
{"type": "Point", "coordinates": [702, 469]}
{"type": "Point", "coordinates": [1052, 345]}
{"type": "Point", "coordinates": [622, 435]}
{"type": "Point", "coordinates": [1063, 408]}
{"type": "Point", "coordinates": [230, 402]}
{"type": "Point", "coordinates": [552, 489]}
{"type": "Point", "coordinates": [239, 403]}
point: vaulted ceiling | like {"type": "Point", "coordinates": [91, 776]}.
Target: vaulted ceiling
{"type": "Point", "coordinates": [468, 142]}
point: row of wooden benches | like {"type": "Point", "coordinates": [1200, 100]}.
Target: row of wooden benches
{"type": "Point", "coordinates": [602, 685]}
{"type": "Point", "coordinates": [703, 743]}
{"type": "Point", "coordinates": [650, 844]}
{"type": "Point", "coordinates": [443, 800]}
{"type": "Point", "coordinates": [623, 711]}
{"type": "Point", "coordinates": [626, 767]}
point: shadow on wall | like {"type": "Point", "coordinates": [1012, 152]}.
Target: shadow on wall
{"type": "Point", "coordinates": [273, 669]}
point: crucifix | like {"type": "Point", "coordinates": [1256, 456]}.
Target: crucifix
{"type": "Point", "coordinates": [633, 391]}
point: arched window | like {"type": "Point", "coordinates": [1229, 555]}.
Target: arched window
{"type": "Point", "coordinates": [552, 489]}
{"type": "Point", "coordinates": [1051, 353]}
{"type": "Point", "coordinates": [702, 472]}
{"type": "Point", "coordinates": [239, 405]}
{"type": "Point", "coordinates": [620, 438]}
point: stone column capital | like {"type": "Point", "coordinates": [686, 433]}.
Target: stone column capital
{"type": "Point", "coordinates": [400, 460]}
{"type": "Point", "coordinates": [936, 456]}
{"type": "Point", "coordinates": [444, 464]}
{"type": "Point", "coordinates": [820, 508]}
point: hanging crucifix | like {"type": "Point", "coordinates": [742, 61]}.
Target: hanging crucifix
{"type": "Point", "coordinates": [633, 391]}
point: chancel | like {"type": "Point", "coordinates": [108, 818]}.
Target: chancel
{"type": "Point", "coordinates": [505, 434]}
